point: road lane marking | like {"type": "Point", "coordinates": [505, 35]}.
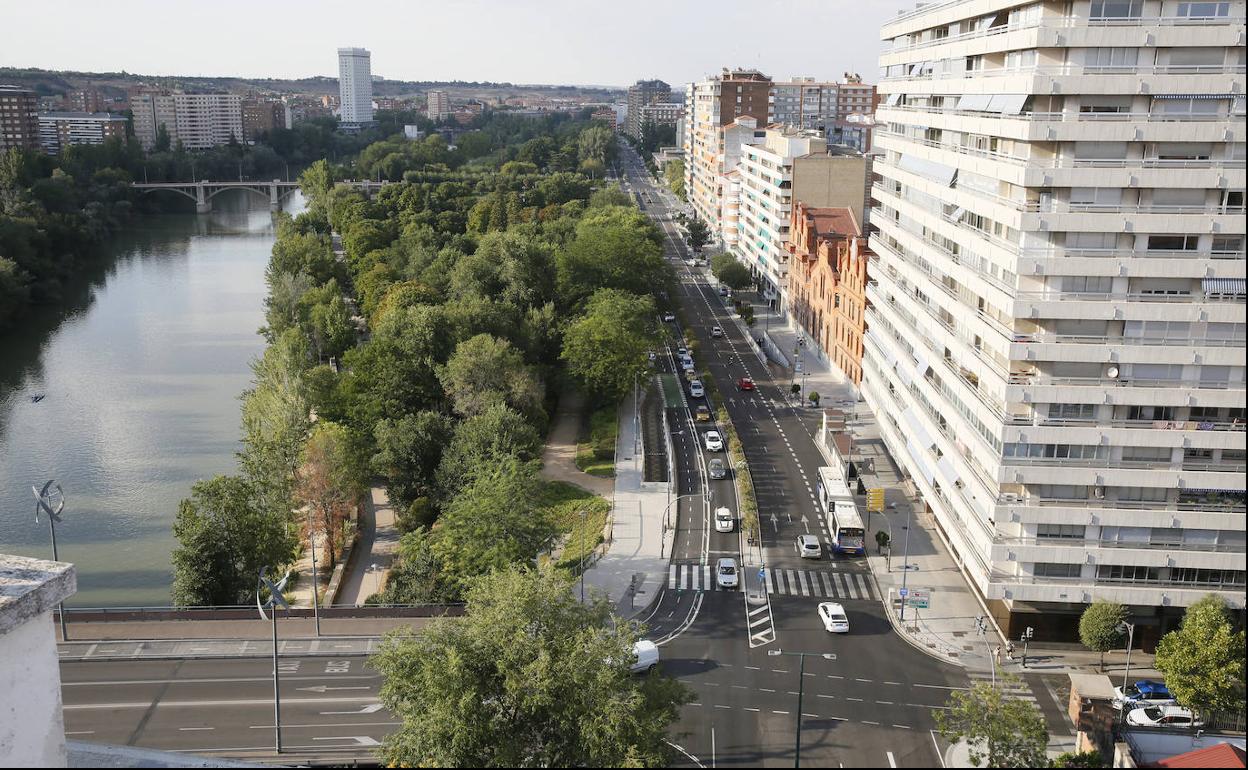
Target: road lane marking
{"type": "Point", "coordinates": [866, 722]}
{"type": "Point", "coordinates": [779, 712]}
{"type": "Point", "coordinates": [891, 761]}
{"type": "Point", "coordinates": [185, 729]}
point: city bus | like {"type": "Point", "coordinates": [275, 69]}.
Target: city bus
{"type": "Point", "coordinates": [848, 534]}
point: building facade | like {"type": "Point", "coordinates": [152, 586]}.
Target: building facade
{"type": "Point", "coordinates": [827, 284]}
{"type": "Point", "coordinates": [804, 103]}
{"type": "Point", "coordinates": [19, 118]}
{"type": "Point", "coordinates": [438, 105]}
{"type": "Point", "coordinates": [661, 114]}
{"type": "Point", "coordinates": [58, 130]}
{"type": "Point", "coordinates": [86, 100]}
{"type": "Point", "coordinates": [197, 121]}
{"type": "Point", "coordinates": [1056, 333]}
{"type": "Point", "coordinates": [261, 116]}
{"type": "Point", "coordinates": [640, 95]}
{"type": "Point", "coordinates": [355, 86]}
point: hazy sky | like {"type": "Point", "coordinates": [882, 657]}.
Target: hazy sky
{"type": "Point", "coordinates": [522, 41]}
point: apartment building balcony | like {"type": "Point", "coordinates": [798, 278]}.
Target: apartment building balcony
{"type": "Point", "coordinates": [1215, 308]}
{"type": "Point", "coordinates": [1098, 553]}
{"type": "Point", "coordinates": [1207, 509]}
{"type": "Point", "coordinates": [1121, 262]}
{"type": "Point", "coordinates": [1108, 473]}
{"type": "Point", "coordinates": [1048, 389]}
{"type": "Point", "coordinates": [1081, 78]}
{"type": "Point", "coordinates": [1031, 588]}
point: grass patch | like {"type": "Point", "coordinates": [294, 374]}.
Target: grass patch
{"type": "Point", "coordinates": [736, 458]}
{"type": "Point", "coordinates": [563, 503]}
{"type": "Point", "coordinates": [595, 454]}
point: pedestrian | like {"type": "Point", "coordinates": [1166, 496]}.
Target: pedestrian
{"type": "Point", "coordinates": [1009, 650]}
{"type": "Point", "coordinates": [996, 654]}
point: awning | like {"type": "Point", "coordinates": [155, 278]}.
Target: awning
{"type": "Point", "coordinates": [921, 367]}
{"type": "Point", "coordinates": [920, 460]}
{"type": "Point", "coordinates": [1223, 285]}
{"type": "Point", "coordinates": [893, 99]}
{"type": "Point", "coordinates": [950, 474]}
{"type": "Point", "coordinates": [1195, 96]}
{"type": "Point", "coordinates": [917, 432]}
{"type": "Point", "coordinates": [1007, 104]}
{"type": "Point", "coordinates": [929, 169]}
{"type": "Point", "coordinates": [974, 102]}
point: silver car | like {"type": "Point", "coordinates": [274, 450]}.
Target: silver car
{"type": "Point", "coordinates": [808, 547]}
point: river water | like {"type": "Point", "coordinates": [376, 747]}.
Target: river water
{"type": "Point", "coordinates": [140, 370]}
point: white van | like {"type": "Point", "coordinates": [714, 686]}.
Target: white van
{"type": "Point", "coordinates": [645, 656]}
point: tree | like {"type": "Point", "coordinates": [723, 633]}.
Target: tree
{"type": "Point", "coordinates": [674, 173]}
{"type": "Point", "coordinates": [416, 577]}
{"type": "Point", "coordinates": [328, 484]}
{"type": "Point", "coordinates": [1004, 731]}
{"type": "Point", "coordinates": [485, 370]}
{"type": "Point", "coordinates": [1100, 627]}
{"type": "Point", "coordinates": [596, 143]}
{"type": "Point", "coordinates": [1203, 661]}
{"type": "Point", "coordinates": [276, 421]}
{"type": "Point", "coordinates": [224, 537]}
{"type": "Point", "coordinates": [408, 452]}
{"type": "Point", "coordinates": [699, 234]}
{"type": "Point", "coordinates": [528, 677]}
{"type": "Point", "coordinates": [814, 398]}
{"type": "Point", "coordinates": [1080, 759]}
{"type": "Point", "coordinates": [608, 345]}
{"type": "Point", "coordinates": [484, 442]}
{"type": "Point", "coordinates": [735, 276]}
{"type": "Point", "coordinates": [614, 248]}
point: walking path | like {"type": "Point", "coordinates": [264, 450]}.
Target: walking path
{"type": "Point", "coordinates": [379, 540]}
{"type": "Point", "coordinates": [559, 454]}
{"type": "Point", "coordinates": [634, 567]}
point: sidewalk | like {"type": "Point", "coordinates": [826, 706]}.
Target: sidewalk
{"type": "Point", "coordinates": [379, 540]}
{"type": "Point", "coordinates": [634, 567]}
{"type": "Point", "coordinates": [559, 454]}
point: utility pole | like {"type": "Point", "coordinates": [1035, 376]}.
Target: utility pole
{"type": "Point", "coordinates": [905, 565]}
{"type": "Point", "coordinates": [801, 682]}
{"type": "Point", "coordinates": [1129, 629]}
{"type": "Point", "coordinates": [51, 500]}
{"type": "Point", "coordinates": [275, 601]}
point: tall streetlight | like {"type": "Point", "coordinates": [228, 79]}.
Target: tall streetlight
{"type": "Point", "coordinates": [316, 606]}
{"type": "Point", "coordinates": [905, 564]}
{"type": "Point", "coordinates": [51, 500]}
{"type": "Point", "coordinates": [667, 524]}
{"type": "Point", "coordinates": [1129, 629]}
{"type": "Point", "coordinates": [981, 628]}
{"type": "Point", "coordinates": [581, 562]}
{"type": "Point", "coordinates": [275, 601]}
{"type": "Point", "coordinates": [801, 680]}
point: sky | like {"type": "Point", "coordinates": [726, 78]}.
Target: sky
{"type": "Point", "coordinates": [598, 42]}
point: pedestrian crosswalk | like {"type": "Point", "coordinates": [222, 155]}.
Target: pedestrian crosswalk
{"type": "Point", "coordinates": [784, 582]}
{"type": "Point", "coordinates": [1012, 686]}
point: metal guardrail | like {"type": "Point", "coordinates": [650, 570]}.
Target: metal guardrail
{"type": "Point", "coordinates": [248, 612]}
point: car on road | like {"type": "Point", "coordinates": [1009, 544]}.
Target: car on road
{"type": "Point", "coordinates": [645, 656]}
{"type": "Point", "coordinates": [718, 469]}
{"type": "Point", "coordinates": [686, 363]}
{"type": "Point", "coordinates": [833, 617]}
{"type": "Point", "coordinates": [717, 332]}
{"type": "Point", "coordinates": [702, 414]}
{"type": "Point", "coordinates": [724, 520]}
{"type": "Point", "coordinates": [726, 572]}
{"type": "Point", "coordinates": [1163, 716]}
{"type": "Point", "coordinates": [723, 291]}
{"type": "Point", "coordinates": [1146, 692]}
{"type": "Point", "coordinates": [669, 317]}
{"type": "Point", "coordinates": [682, 352]}
{"type": "Point", "coordinates": [713, 441]}
{"type": "Point", "coordinates": [745, 383]}
{"type": "Point", "coordinates": [696, 390]}
{"type": "Point", "coordinates": [808, 547]}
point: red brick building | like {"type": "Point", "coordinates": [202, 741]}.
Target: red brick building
{"type": "Point", "coordinates": [828, 283]}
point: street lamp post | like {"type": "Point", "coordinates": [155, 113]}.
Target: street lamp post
{"type": "Point", "coordinates": [51, 500]}
{"type": "Point", "coordinates": [1129, 630]}
{"type": "Point", "coordinates": [801, 681]}
{"type": "Point", "coordinates": [905, 564]}
{"type": "Point", "coordinates": [316, 607]}
{"type": "Point", "coordinates": [667, 523]}
{"type": "Point", "coordinates": [981, 628]}
{"type": "Point", "coordinates": [581, 561]}
{"type": "Point", "coordinates": [275, 601]}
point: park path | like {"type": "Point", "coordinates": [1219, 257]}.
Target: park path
{"type": "Point", "coordinates": [379, 540]}
{"type": "Point", "coordinates": [559, 454]}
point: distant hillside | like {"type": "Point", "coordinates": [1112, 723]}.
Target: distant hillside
{"type": "Point", "coordinates": [48, 82]}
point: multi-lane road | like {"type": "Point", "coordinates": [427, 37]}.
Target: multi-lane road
{"type": "Point", "coordinates": [872, 704]}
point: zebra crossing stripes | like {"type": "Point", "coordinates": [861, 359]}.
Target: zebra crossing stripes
{"type": "Point", "coordinates": [691, 577]}
{"type": "Point", "coordinates": [821, 584]}
{"type": "Point", "coordinates": [1013, 686]}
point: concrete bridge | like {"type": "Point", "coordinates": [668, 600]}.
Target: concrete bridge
{"type": "Point", "coordinates": [202, 192]}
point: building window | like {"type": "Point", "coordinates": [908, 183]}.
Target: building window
{"type": "Point", "coordinates": [1173, 242]}
{"type": "Point", "coordinates": [1072, 411]}
{"type": "Point", "coordinates": [1056, 570]}
{"type": "Point", "coordinates": [1118, 9]}
{"type": "Point", "coordinates": [1204, 10]}
{"type": "Point", "coordinates": [1061, 532]}
{"type": "Point", "coordinates": [1120, 573]}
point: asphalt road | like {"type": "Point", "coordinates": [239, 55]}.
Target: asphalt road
{"type": "Point", "coordinates": [872, 705]}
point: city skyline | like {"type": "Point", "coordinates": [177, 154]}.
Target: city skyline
{"type": "Point", "coordinates": [501, 52]}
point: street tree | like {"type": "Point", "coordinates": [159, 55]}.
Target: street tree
{"type": "Point", "coordinates": [275, 421]}
{"type": "Point", "coordinates": [735, 276]}
{"type": "Point", "coordinates": [616, 248]}
{"type": "Point", "coordinates": [528, 677]}
{"type": "Point", "coordinates": [224, 537]}
{"type": "Point", "coordinates": [608, 345]}
{"type": "Point", "coordinates": [328, 484]}
{"type": "Point", "coordinates": [1203, 660]}
{"type": "Point", "coordinates": [1100, 627]}
{"type": "Point", "coordinates": [699, 233]}
{"type": "Point", "coordinates": [1001, 730]}
{"type": "Point", "coordinates": [483, 442]}
{"type": "Point", "coordinates": [409, 449]}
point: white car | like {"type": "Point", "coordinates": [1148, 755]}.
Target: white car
{"type": "Point", "coordinates": [726, 573]}
{"type": "Point", "coordinates": [645, 656]}
{"type": "Point", "coordinates": [717, 332]}
{"type": "Point", "coordinates": [696, 390]}
{"type": "Point", "coordinates": [833, 617]}
{"type": "Point", "coordinates": [686, 363]}
{"type": "Point", "coordinates": [682, 352]}
{"type": "Point", "coordinates": [1163, 716]}
{"type": "Point", "coordinates": [724, 520]}
{"type": "Point", "coordinates": [808, 547]}
{"type": "Point", "coordinates": [713, 441]}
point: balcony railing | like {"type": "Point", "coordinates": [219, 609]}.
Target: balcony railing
{"type": "Point", "coordinates": [1021, 378]}
{"type": "Point", "coordinates": [1074, 117]}
{"type": "Point", "coordinates": [1211, 504]}
{"type": "Point", "coordinates": [1164, 465]}
{"type": "Point", "coordinates": [1063, 542]}
{"type": "Point", "coordinates": [1130, 254]}
{"type": "Point", "coordinates": [1059, 162]}
{"type": "Point", "coordinates": [1232, 585]}
{"type": "Point", "coordinates": [1076, 69]}
{"type": "Point", "coordinates": [1109, 339]}
{"type": "Point", "coordinates": [1090, 296]}
{"type": "Point", "coordinates": [1064, 422]}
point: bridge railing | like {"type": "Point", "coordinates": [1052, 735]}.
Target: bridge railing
{"type": "Point", "coordinates": [248, 612]}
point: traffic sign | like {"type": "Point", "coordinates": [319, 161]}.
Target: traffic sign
{"type": "Point", "coordinates": [875, 499]}
{"type": "Point", "coordinates": [902, 592]}
{"type": "Point", "coordinates": [919, 599]}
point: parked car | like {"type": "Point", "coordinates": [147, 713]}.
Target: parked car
{"type": "Point", "coordinates": [682, 352]}
{"type": "Point", "coordinates": [686, 363]}
{"type": "Point", "coordinates": [668, 317]}
{"type": "Point", "coordinates": [724, 520]}
{"type": "Point", "coordinates": [745, 383]}
{"type": "Point", "coordinates": [713, 441]}
{"type": "Point", "coordinates": [726, 572]}
{"type": "Point", "coordinates": [718, 469]}
{"type": "Point", "coordinates": [696, 390]}
{"type": "Point", "coordinates": [645, 656]}
{"type": "Point", "coordinates": [1146, 692]}
{"type": "Point", "coordinates": [808, 547]}
{"type": "Point", "coordinates": [833, 617]}
{"type": "Point", "coordinates": [1163, 716]}
{"type": "Point", "coordinates": [723, 291]}
{"type": "Point", "coordinates": [702, 414]}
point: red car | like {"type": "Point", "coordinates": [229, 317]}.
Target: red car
{"type": "Point", "coordinates": [745, 383]}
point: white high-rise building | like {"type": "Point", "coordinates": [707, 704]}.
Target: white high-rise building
{"type": "Point", "coordinates": [355, 85]}
{"type": "Point", "coordinates": [1056, 327]}
{"type": "Point", "coordinates": [438, 106]}
{"type": "Point", "coordinates": [194, 121]}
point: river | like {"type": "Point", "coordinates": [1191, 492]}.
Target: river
{"type": "Point", "coordinates": [140, 371]}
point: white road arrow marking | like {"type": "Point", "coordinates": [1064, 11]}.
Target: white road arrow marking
{"type": "Point", "coordinates": [360, 740]}
{"type": "Point", "coordinates": [372, 708]}
{"type": "Point", "coordinates": [326, 688]}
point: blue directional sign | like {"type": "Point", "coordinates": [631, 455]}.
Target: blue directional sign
{"type": "Point", "coordinates": [902, 592]}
